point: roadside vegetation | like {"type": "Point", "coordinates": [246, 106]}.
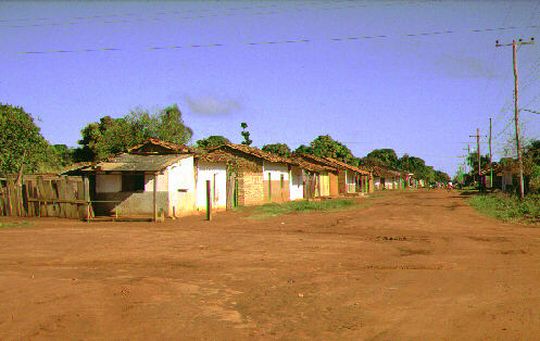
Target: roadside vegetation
{"type": "Point", "coordinates": [14, 224]}
{"type": "Point", "coordinates": [275, 209]}
{"type": "Point", "coordinates": [508, 208]}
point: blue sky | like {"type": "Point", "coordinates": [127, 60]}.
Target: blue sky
{"type": "Point", "coordinates": [415, 76]}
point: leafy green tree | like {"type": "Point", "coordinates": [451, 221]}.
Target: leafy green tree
{"type": "Point", "coordinates": [303, 149]}
{"type": "Point", "coordinates": [245, 134]}
{"type": "Point", "coordinates": [212, 141]}
{"type": "Point", "coordinates": [111, 136]}
{"type": "Point", "coordinates": [326, 146]}
{"type": "Point", "coordinates": [385, 157]}
{"type": "Point", "coordinates": [171, 126]}
{"type": "Point", "coordinates": [63, 154]}
{"type": "Point", "coordinates": [280, 149]}
{"type": "Point", "coordinates": [22, 147]}
{"type": "Point", "coordinates": [472, 161]}
{"type": "Point", "coordinates": [531, 165]}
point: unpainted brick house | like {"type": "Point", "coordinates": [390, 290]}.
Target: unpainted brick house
{"type": "Point", "coordinates": [253, 176]}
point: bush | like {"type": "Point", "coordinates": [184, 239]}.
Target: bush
{"type": "Point", "coordinates": [508, 208]}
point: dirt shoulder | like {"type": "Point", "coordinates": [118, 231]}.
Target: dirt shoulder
{"type": "Point", "coordinates": [411, 265]}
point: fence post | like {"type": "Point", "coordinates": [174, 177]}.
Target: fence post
{"type": "Point", "coordinates": [208, 200]}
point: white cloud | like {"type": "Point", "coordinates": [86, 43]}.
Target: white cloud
{"type": "Point", "coordinates": [211, 105]}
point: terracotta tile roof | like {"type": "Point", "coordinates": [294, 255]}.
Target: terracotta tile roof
{"type": "Point", "coordinates": [347, 166]}
{"type": "Point", "coordinates": [173, 147]}
{"type": "Point", "coordinates": [319, 160]}
{"type": "Point", "coordinates": [256, 152]}
{"type": "Point", "coordinates": [333, 164]}
{"type": "Point", "coordinates": [310, 166]}
{"type": "Point", "coordinates": [382, 171]}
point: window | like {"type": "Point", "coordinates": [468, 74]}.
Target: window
{"type": "Point", "coordinates": [281, 181]}
{"type": "Point", "coordinates": [133, 182]}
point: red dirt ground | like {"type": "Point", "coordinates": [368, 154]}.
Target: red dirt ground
{"type": "Point", "coordinates": [414, 265]}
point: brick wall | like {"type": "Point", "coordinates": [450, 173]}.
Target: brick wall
{"type": "Point", "coordinates": [250, 188]}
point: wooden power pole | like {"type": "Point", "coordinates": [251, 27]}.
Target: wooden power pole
{"type": "Point", "coordinates": [490, 158]}
{"type": "Point", "coordinates": [478, 155]}
{"type": "Point", "coordinates": [514, 45]}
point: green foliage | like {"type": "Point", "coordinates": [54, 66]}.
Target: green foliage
{"type": "Point", "coordinates": [63, 154]}
{"type": "Point", "coordinates": [245, 134]}
{"type": "Point", "coordinates": [111, 136]}
{"type": "Point", "coordinates": [472, 161]}
{"type": "Point", "coordinates": [275, 209]}
{"type": "Point", "coordinates": [280, 149]}
{"type": "Point", "coordinates": [22, 147]}
{"type": "Point", "coordinates": [212, 141]}
{"type": "Point", "coordinates": [508, 208]}
{"type": "Point", "coordinates": [326, 146]}
{"type": "Point", "coordinates": [531, 164]}
{"type": "Point", "coordinates": [303, 149]}
{"type": "Point", "coordinates": [384, 157]}
{"type": "Point", "coordinates": [15, 224]}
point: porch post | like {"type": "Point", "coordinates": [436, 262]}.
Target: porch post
{"type": "Point", "coordinates": [154, 197]}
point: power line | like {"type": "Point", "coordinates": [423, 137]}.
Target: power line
{"type": "Point", "coordinates": [124, 18]}
{"type": "Point", "coordinates": [348, 38]}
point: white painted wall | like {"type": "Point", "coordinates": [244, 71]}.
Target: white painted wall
{"type": "Point", "coordinates": [296, 186]}
{"type": "Point", "coordinates": [349, 182]}
{"type": "Point", "coordinates": [108, 183]}
{"type": "Point", "coordinates": [217, 174]}
{"type": "Point", "coordinates": [181, 186]}
{"type": "Point", "coordinates": [377, 182]}
{"type": "Point", "coordinates": [275, 170]}
{"type": "Point", "coordinates": [161, 183]}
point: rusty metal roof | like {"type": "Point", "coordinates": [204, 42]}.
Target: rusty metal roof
{"type": "Point", "coordinates": [137, 163]}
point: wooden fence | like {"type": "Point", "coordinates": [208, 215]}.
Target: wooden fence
{"type": "Point", "coordinates": [46, 196]}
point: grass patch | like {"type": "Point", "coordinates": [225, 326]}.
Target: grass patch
{"type": "Point", "coordinates": [508, 208]}
{"type": "Point", "coordinates": [274, 209]}
{"type": "Point", "coordinates": [15, 224]}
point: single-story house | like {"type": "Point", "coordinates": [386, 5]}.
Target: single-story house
{"type": "Point", "coordinates": [328, 178]}
{"type": "Point", "coordinates": [340, 178]}
{"type": "Point", "coordinates": [307, 184]}
{"type": "Point", "coordinates": [152, 177]}
{"type": "Point", "coordinates": [351, 179]}
{"type": "Point", "coordinates": [385, 178]}
{"type": "Point", "coordinates": [252, 176]}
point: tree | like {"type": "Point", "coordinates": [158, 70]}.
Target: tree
{"type": "Point", "coordinates": [531, 163]}
{"type": "Point", "coordinates": [326, 146]}
{"type": "Point", "coordinates": [385, 157]}
{"type": "Point", "coordinates": [171, 127]}
{"type": "Point", "coordinates": [472, 161]}
{"type": "Point", "coordinates": [111, 136]}
{"type": "Point", "coordinates": [63, 154]}
{"type": "Point", "coordinates": [22, 147]}
{"type": "Point", "coordinates": [280, 149]}
{"type": "Point", "coordinates": [245, 134]}
{"type": "Point", "coordinates": [303, 149]}
{"type": "Point", "coordinates": [212, 141]}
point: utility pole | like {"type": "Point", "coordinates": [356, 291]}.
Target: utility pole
{"type": "Point", "coordinates": [514, 45]}
{"type": "Point", "coordinates": [478, 151]}
{"type": "Point", "coordinates": [490, 158]}
{"type": "Point", "coordinates": [468, 149]}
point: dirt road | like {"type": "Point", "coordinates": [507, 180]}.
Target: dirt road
{"type": "Point", "coordinates": [417, 265]}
